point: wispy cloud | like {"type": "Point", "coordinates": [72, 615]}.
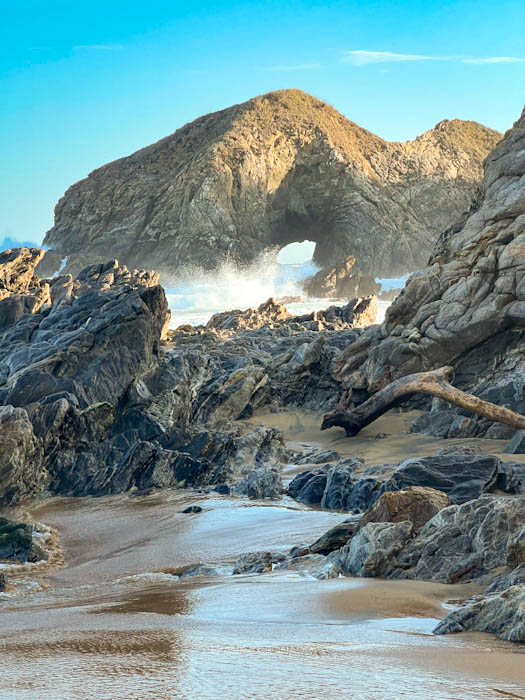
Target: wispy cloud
{"type": "Point", "coordinates": [300, 66]}
{"type": "Point", "coordinates": [363, 58]}
{"type": "Point", "coordinates": [99, 47]}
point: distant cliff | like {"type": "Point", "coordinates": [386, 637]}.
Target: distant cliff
{"type": "Point", "coordinates": [280, 168]}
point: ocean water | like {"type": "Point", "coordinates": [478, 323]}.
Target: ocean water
{"type": "Point", "coordinates": [201, 295]}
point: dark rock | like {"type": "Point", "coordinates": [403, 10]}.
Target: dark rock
{"type": "Point", "coordinates": [16, 540]}
{"type": "Point", "coordinates": [500, 612]}
{"type": "Point", "coordinates": [253, 563]}
{"type": "Point", "coordinates": [259, 483]}
{"type": "Point", "coordinates": [511, 478]}
{"type": "Point", "coordinates": [222, 489]}
{"type": "Point", "coordinates": [336, 537]}
{"type": "Point", "coordinates": [192, 509]}
{"type": "Point", "coordinates": [516, 446]}
{"type": "Point", "coordinates": [316, 456]}
{"type": "Point", "coordinates": [461, 477]}
{"type": "Point", "coordinates": [3, 581]}
{"type": "Point", "coordinates": [326, 486]}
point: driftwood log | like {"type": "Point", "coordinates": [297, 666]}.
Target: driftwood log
{"type": "Point", "coordinates": [434, 383]}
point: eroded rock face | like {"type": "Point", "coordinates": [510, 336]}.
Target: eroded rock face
{"type": "Point", "coordinates": [279, 168]}
{"type": "Point", "coordinates": [466, 308]}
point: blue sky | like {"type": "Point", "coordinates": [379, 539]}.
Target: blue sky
{"type": "Point", "coordinates": [84, 83]}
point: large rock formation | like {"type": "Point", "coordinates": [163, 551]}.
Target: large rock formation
{"type": "Point", "coordinates": [95, 400]}
{"type": "Point", "coordinates": [466, 308]}
{"type": "Point", "coordinates": [280, 168]}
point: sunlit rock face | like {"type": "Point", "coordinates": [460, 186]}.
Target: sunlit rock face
{"type": "Point", "coordinates": [280, 168]}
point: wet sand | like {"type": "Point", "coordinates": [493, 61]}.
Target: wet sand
{"type": "Point", "coordinates": [113, 626]}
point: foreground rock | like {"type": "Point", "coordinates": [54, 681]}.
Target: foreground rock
{"type": "Point", "coordinates": [94, 400]}
{"type": "Point", "coordinates": [279, 168]}
{"type": "Point", "coordinates": [350, 485]}
{"type": "Point", "coordinates": [500, 610]}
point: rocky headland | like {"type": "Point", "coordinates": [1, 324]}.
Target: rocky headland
{"type": "Point", "coordinates": [279, 168]}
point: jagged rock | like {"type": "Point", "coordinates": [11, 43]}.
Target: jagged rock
{"type": "Point", "coordinates": [22, 471]}
{"type": "Point", "coordinates": [3, 581]}
{"type": "Point", "coordinates": [259, 483]}
{"type": "Point", "coordinates": [340, 281]}
{"type": "Point", "coordinates": [16, 540]}
{"type": "Point", "coordinates": [462, 542]}
{"type": "Point", "coordinates": [279, 168]}
{"type": "Point", "coordinates": [336, 537]}
{"type": "Point", "coordinates": [516, 446]}
{"type": "Point", "coordinates": [371, 551]}
{"type": "Point", "coordinates": [467, 304]}
{"type": "Point", "coordinates": [328, 486]}
{"type": "Point", "coordinates": [17, 271]}
{"type": "Point", "coordinates": [269, 312]}
{"type": "Point", "coordinates": [500, 612]}
{"type": "Point", "coordinates": [253, 563]}
{"type": "Point", "coordinates": [416, 504]}
{"type": "Point", "coordinates": [461, 477]}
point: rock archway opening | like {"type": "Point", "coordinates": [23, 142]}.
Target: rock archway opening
{"type": "Point", "coordinates": [297, 253]}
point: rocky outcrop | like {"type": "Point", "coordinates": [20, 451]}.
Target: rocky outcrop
{"type": "Point", "coordinates": [280, 168]}
{"type": "Point", "coordinates": [466, 308]}
{"type": "Point", "coordinates": [341, 281]}
{"type": "Point", "coordinates": [96, 397]}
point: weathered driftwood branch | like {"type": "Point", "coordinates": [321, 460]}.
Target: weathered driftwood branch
{"type": "Point", "coordinates": [434, 383]}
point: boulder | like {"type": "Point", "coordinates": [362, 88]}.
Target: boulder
{"type": "Point", "coordinates": [16, 540]}
{"type": "Point", "coordinates": [22, 471]}
{"type": "Point", "coordinates": [501, 613]}
{"type": "Point", "coordinates": [461, 476]}
{"type": "Point", "coordinates": [336, 537]}
{"type": "Point", "coordinates": [417, 504]}
{"type": "Point", "coordinates": [253, 563]}
{"type": "Point", "coordinates": [372, 550]}
{"type": "Point", "coordinates": [463, 542]}
{"type": "Point", "coordinates": [259, 483]}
